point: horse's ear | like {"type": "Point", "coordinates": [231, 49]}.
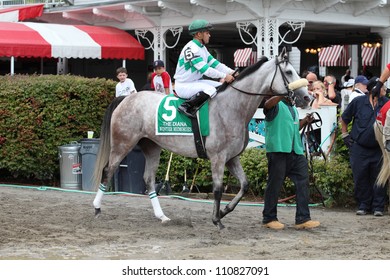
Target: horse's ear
{"type": "Point", "coordinates": [283, 54]}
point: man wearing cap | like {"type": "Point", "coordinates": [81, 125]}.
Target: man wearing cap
{"type": "Point", "coordinates": [360, 87]}
{"type": "Point", "coordinates": [161, 80]}
{"type": "Point", "coordinates": [195, 61]}
{"type": "Point", "coordinates": [364, 151]}
{"type": "Point", "coordinates": [346, 93]}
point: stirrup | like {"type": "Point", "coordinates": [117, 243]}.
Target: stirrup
{"type": "Point", "coordinates": [184, 111]}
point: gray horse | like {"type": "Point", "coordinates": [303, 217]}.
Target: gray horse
{"type": "Point", "coordinates": [132, 122]}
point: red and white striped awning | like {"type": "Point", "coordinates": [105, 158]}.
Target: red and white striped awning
{"type": "Point", "coordinates": [29, 39]}
{"type": "Point", "coordinates": [244, 57]}
{"type": "Point", "coordinates": [16, 14]}
{"type": "Point", "coordinates": [336, 55]}
{"type": "Point", "coordinates": [369, 56]}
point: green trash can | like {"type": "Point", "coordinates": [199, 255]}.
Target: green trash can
{"type": "Point", "coordinates": [70, 166]}
{"type": "Point", "coordinates": [88, 151]}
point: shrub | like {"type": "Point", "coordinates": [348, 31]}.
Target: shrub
{"type": "Point", "coordinates": [40, 113]}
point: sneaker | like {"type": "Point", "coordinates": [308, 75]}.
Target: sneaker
{"type": "Point", "coordinates": [378, 213]}
{"type": "Point", "coordinates": [361, 212]}
{"type": "Point", "coordinates": [274, 225]}
{"type": "Point", "coordinates": [308, 224]}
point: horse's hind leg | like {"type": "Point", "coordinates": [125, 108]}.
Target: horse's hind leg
{"type": "Point", "coordinates": [116, 156]}
{"type": "Point", "coordinates": [152, 158]}
{"type": "Point", "coordinates": [235, 168]}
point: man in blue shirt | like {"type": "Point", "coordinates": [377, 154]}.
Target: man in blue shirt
{"type": "Point", "coordinates": [365, 154]}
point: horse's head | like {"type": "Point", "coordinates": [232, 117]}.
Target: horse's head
{"type": "Point", "coordinates": [286, 81]}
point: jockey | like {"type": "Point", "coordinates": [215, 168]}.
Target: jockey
{"type": "Point", "coordinates": [194, 62]}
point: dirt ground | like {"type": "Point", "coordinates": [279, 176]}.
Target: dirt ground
{"type": "Point", "coordinates": [49, 224]}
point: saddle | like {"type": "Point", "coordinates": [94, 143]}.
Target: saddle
{"type": "Point", "coordinates": [169, 121]}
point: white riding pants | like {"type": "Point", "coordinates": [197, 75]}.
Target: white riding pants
{"type": "Point", "coordinates": [187, 90]}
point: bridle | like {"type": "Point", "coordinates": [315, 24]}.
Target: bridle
{"type": "Point", "coordinates": [289, 93]}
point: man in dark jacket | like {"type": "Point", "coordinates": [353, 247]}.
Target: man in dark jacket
{"type": "Point", "coordinates": [365, 153]}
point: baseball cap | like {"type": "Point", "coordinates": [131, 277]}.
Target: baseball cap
{"type": "Point", "coordinates": [158, 63]}
{"type": "Point", "coordinates": [371, 83]}
{"type": "Point", "coordinates": [361, 79]}
{"type": "Point", "coordinates": [349, 83]}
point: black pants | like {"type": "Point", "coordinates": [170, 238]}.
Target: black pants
{"type": "Point", "coordinates": [280, 166]}
{"type": "Point", "coordinates": [366, 164]}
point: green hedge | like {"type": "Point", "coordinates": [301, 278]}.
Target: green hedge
{"type": "Point", "coordinates": [40, 113]}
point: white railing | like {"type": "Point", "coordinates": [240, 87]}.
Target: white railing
{"type": "Point", "coordinates": [48, 3]}
{"type": "Point", "coordinates": [328, 115]}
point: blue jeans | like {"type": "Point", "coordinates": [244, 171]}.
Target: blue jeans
{"type": "Point", "coordinates": [280, 166]}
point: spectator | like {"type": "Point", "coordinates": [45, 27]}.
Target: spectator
{"type": "Point", "coordinates": [195, 61]}
{"type": "Point", "coordinates": [311, 78]}
{"type": "Point", "coordinates": [285, 159]}
{"type": "Point", "coordinates": [382, 79]}
{"type": "Point", "coordinates": [376, 92]}
{"type": "Point", "coordinates": [365, 152]}
{"type": "Point", "coordinates": [332, 91]}
{"type": "Point", "coordinates": [161, 80]}
{"type": "Point", "coordinates": [346, 93]}
{"type": "Point", "coordinates": [360, 87]}
{"type": "Point", "coordinates": [125, 85]}
{"type": "Point", "coordinates": [346, 76]}
{"type": "Point", "coordinates": [319, 94]}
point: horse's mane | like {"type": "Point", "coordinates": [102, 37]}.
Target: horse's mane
{"type": "Point", "coordinates": [246, 72]}
{"type": "Point", "coordinates": [252, 68]}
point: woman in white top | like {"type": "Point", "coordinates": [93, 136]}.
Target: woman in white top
{"type": "Point", "coordinates": [320, 95]}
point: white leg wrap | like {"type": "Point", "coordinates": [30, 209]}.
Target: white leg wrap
{"type": "Point", "coordinates": [97, 202]}
{"type": "Point", "coordinates": [386, 128]}
{"type": "Point", "coordinates": [157, 208]}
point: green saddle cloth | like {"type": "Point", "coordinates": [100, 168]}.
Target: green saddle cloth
{"type": "Point", "coordinates": [171, 122]}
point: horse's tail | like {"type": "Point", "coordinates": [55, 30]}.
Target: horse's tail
{"type": "Point", "coordinates": [105, 143]}
{"type": "Point", "coordinates": [384, 173]}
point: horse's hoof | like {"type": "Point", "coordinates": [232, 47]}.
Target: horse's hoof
{"type": "Point", "coordinates": [165, 220]}
{"type": "Point", "coordinates": [219, 225]}
{"type": "Point", "coordinates": [97, 212]}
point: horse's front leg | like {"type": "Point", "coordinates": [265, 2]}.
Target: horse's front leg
{"type": "Point", "coordinates": [152, 158]}
{"type": "Point", "coordinates": [235, 168]}
{"type": "Point", "coordinates": [217, 169]}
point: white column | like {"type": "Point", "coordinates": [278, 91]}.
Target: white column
{"type": "Point", "coordinates": [355, 60]}
{"type": "Point", "coordinates": [12, 65]}
{"type": "Point", "coordinates": [385, 51]}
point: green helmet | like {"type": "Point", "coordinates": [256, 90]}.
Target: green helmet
{"type": "Point", "coordinates": [199, 25]}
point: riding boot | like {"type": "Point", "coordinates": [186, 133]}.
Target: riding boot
{"type": "Point", "coordinates": [192, 105]}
